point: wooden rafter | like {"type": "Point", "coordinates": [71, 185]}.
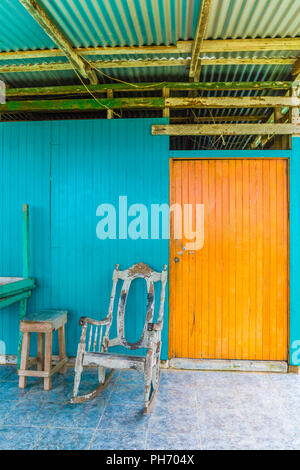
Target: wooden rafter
{"type": "Point", "coordinates": [232, 102]}
{"type": "Point", "coordinates": [296, 70]}
{"type": "Point", "coordinates": [100, 64]}
{"type": "Point", "coordinates": [227, 118]}
{"type": "Point", "coordinates": [82, 104]}
{"type": "Point", "coordinates": [129, 87]}
{"type": "Point", "coordinates": [271, 118]}
{"type": "Point", "coordinates": [203, 19]}
{"type": "Point", "coordinates": [39, 14]}
{"type": "Point", "coordinates": [224, 129]}
{"type": "Point", "coordinates": [181, 47]}
{"type": "Point", "coordinates": [149, 102]}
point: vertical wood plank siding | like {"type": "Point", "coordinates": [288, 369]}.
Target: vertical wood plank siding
{"type": "Point", "coordinates": [89, 162]}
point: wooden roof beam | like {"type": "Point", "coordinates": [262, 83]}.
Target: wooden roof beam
{"type": "Point", "coordinates": [227, 118]}
{"type": "Point", "coordinates": [203, 18]}
{"type": "Point", "coordinates": [296, 71]}
{"type": "Point", "coordinates": [294, 92]}
{"type": "Point", "coordinates": [224, 129]}
{"type": "Point", "coordinates": [129, 87]}
{"type": "Point", "coordinates": [149, 102]}
{"type": "Point", "coordinates": [232, 102]}
{"type": "Point", "coordinates": [42, 18]}
{"type": "Point", "coordinates": [56, 66]}
{"type": "Point", "coordinates": [181, 47]}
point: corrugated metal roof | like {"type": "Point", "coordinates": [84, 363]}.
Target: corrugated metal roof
{"type": "Point", "coordinates": [146, 22]}
{"type": "Point", "coordinates": [241, 72]}
{"type": "Point", "coordinates": [254, 19]}
{"type": "Point", "coordinates": [124, 22]}
{"type": "Point", "coordinates": [91, 23]}
{"type": "Point", "coordinates": [18, 29]}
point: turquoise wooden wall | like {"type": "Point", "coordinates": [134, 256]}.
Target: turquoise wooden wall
{"type": "Point", "coordinates": [295, 253]}
{"type": "Point", "coordinates": [64, 170]}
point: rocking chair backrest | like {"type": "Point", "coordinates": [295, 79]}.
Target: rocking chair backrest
{"type": "Point", "coordinates": [143, 271]}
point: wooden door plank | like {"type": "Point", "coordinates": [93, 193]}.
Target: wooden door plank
{"type": "Point", "coordinates": [252, 257]}
{"type": "Point", "coordinates": [239, 261]}
{"type": "Point", "coordinates": [172, 283]}
{"type": "Point", "coordinates": [259, 263]}
{"type": "Point", "coordinates": [178, 267]}
{"type": "Point", "coordinates": [225, 260]}
{"type": "Point", "coordinates": [273, 258]}
{"type": "Point", "coordinates": [219, 257]}
{"type": "Point", "coordinates": [205, 259]}
{"type": "Point", "coordinates": [191, 260]}
{"type": "Point", "coordinates": [212, 257]}
{"type": "Point", "coordinates": [198, 267]}
{"type": "Point", "coordinates": [266, 260]}
{"type": "Point", "coordinates": [184, 264]}
{"type": "Point", "coordinates": [232, 259]}
{"type": "Point", "coordinates": [245, 259]}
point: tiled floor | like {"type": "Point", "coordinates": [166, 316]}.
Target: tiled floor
{"type": "Point", "coordinates": [193, 410]}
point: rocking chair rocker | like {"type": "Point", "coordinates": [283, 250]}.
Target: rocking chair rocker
{"type": "Point", "coordinates": [87, 353]}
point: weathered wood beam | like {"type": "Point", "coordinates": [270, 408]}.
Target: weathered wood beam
{"type": "Point", "coordinates": [42, 18]}
{"type": "Point", "coordinates": [258, 140]}
{"type": "Point", "coordinates": [240, 118]}
{"type": "Point", "coordinates": [244, 45]}
{"type": "Point", "coordinates": [150, 102]}
{"type": "Point", "coordinates": [224, 129]}
{"type": "Point", "coordinates": [166, 94]}
{"type": "Point", "coordinates": [82, 104]}
{"type": "Point", "coordinates": [110, 113]}
{"type": "Point", "coordinates": [293, 91]}
{"type": "Point", "coordinates": [236, 102]}
{"type": "Point", "coordinates": [279, 118]}
{"type": "Point", "coordinates": [294, 112]}
{"type": "Point", "coordinates": [296, 70]}
{"type": "Point", "coordinates": [115, 64]}
{"type": "Point", "coordinates": [208, 46]}
{"type": "Point", "coordinates": [203, 19]}
{"type": "Point", "coordinates": [80, 89]}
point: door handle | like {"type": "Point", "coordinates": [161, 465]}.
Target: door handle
{"type": "Point", "coordinates": [176, 259]}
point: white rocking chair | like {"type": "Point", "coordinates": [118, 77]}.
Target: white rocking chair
{"type": "Point", "coordinates": [94, 350]}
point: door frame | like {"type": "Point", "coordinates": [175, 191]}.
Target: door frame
{"type": "Point", "coordinates": [247, 155]}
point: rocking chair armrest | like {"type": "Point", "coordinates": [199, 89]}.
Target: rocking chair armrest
{"type": "Point", "coordinates": [84, 320]}
{"type": "Point", "coordinates": [155, 326]}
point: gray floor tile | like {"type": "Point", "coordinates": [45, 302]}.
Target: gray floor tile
{"type": "Point", "coordinates": [126, 417]}
{"type": "Point", "coordinates": [118, 440]}
{"type": "Point", "coordinates": [21, 438]}
{"type": "Point", "coordinates": [182, 421]}
{"type": "Point", "coordinates": [85, 415]}
{"type": "Point", "coordinates": [65, 439]}
{"type": "Point", "coordinates": [229, 443]}
{"type": "Point", "coordinates": [30, 413]}
{"type": "Point", "coordinates": [6, 406]}
{"type": "Point", "coordinates": [10, 389]}
{"type": "Point", "coordinates": [175, 441]}
{"type": "Point", "coordinates": [215, 410]}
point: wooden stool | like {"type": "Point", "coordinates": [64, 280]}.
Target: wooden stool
{"type": "Point", "coordinates": [43, 323]}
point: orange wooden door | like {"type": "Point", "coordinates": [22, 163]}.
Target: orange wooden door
{"type": "Point", "coordinates": [229, 300]}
